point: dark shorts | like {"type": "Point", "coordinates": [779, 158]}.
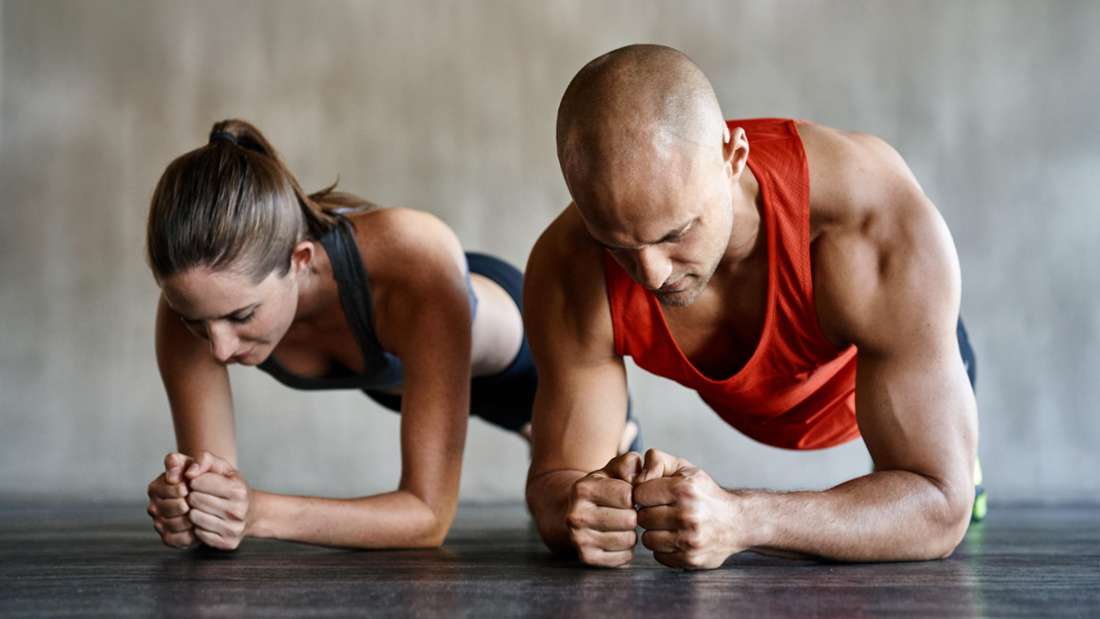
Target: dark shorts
{"type": "Point", "coordinates": [967, 352]}
{"type": "Point", "coordinates": [504, 399]}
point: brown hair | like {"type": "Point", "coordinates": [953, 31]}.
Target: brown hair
{"type": "Point", "coordinates": [234, 204]}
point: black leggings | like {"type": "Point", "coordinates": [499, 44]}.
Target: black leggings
{"type": "Point", "coordinates": [504, 399]}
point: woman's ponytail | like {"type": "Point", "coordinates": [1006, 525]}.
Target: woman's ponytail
{"type": "Point", "coordinates": [234, 202]}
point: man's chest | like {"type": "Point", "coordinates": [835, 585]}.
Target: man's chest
{"type": "Point", "coordinates": [720, 331]}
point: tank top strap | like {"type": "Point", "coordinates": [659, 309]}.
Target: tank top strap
{"type": "Point", "coordinates": [354, 286]}
{"type": "Point", "coordinates": [778, 162]}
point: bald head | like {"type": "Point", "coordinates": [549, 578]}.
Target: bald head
{"type": "Point", "coordinates": [635, 102]}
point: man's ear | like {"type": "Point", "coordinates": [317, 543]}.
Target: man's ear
{"type": "Point", "coordinates": [735, 150]}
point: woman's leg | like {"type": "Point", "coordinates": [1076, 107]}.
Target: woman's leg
{"type": "Point", "coordinates": [971, 363]}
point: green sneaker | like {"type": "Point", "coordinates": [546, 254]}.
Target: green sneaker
{"type": "Point", "coordinates": [980, 505]}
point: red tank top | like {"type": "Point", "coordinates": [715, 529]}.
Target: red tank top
{"type": "Point", "coordinates": [797, 391]}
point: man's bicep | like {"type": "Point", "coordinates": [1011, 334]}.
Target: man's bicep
{"type": "Point", "coordinates": [914, 402]}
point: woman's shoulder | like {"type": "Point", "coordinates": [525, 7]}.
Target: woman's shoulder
{"type": "Point", "coordinates": [395, 241]}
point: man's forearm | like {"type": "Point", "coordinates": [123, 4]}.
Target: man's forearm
{"type": "Point", "coordinates": [884, 516]}
{"type": "Point", "coordinates": [396, 519]}
{"type": "Point", "coordinates": [548, 500]}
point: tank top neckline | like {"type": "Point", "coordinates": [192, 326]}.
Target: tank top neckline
{"type": "Point", "coordinates": [768, 221]}
{"type": "Point", "coordinates": [353, 289]}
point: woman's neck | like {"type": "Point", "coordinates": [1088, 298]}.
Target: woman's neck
{"type": "Point", "coordinates": [317, 290]}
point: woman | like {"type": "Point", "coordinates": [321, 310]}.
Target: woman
{"type": "Point", "coordinates": [321, 291]}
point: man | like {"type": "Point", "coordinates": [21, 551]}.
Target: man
{"type": "Point", "coordinates": [756, 262]}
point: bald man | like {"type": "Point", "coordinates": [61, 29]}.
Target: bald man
{"type": "Point", "coordinates": [757, 262]}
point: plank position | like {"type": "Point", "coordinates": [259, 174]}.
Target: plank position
{"type": "Point", "coordinates": [322, 291]}
{"type": "Point", "coordinates": [757, 262]}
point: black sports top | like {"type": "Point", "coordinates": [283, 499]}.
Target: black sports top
{"type": "Point", "coordinates": [383, 369]}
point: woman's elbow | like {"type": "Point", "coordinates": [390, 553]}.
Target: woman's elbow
{"type": "Point", "coordinates": [435, 525]}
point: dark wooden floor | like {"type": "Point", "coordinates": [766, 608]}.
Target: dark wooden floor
{"type": "Point", "coordinates": [1023, 562]}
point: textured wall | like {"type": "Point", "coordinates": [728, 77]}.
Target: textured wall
{"type": "Point", "coordinates": [449, 107]}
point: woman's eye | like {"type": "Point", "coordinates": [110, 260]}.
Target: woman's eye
{"type": "Point", "coordinates": [243, 319]}
{"type": "Point", "coordinates": [194, 328]}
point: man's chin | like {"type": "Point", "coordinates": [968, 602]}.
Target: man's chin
{"type": "Point", "coordinates": [682, 298]}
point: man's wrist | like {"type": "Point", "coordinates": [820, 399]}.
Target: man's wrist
{"type": "Point", "coordinates": [752, 519]}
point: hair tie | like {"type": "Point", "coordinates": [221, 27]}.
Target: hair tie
{"type": "Point", "coordinates": [223, 136]}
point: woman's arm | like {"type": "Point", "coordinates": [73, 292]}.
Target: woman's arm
{"type": "Point", "coordinates": [202, 414]}
{"type": "Point", "coordinates": [197, 387]}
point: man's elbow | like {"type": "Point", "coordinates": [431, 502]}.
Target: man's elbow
{"type": "Point", "coordinates": [951, 519]}
{"type": "Point", "coordinates": [550, 528]}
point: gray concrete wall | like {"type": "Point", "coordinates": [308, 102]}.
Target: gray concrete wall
{"type": "Point", "coordinates": [449, 107]}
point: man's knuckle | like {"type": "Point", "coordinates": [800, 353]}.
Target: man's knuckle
{"type": "Point", "coordinates": [689, 520]}
{"type": "Point", "coordinates": [589, 555]}
{"type": "Point", "coordinates": [579, 538]}
{"type": "Point", "coordinates": [631, 519]}
{"type": "Point", "coordinates": [685, 490]}
{"type": "Point", "coordinates": [575, 519]}
{"type": "Point", "coordinates": [691, 541]}
{"type": "Point", "coordinates": [584, 489]}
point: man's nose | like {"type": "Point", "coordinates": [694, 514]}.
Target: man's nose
{"type": "Point", "coordinates": [654, 267]}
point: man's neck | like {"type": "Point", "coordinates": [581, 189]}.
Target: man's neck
{"type": "Point", "coordinates": [747, 235]}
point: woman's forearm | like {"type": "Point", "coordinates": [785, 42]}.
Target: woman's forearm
{"type": "Point", "coordinates": [397, 519]}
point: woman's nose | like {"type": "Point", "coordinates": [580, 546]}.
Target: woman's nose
{"type": "Point", "coordinates": [223, 342]}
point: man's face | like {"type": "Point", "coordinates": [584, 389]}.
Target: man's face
{"type": "Point", "coordinates": [666, 217]}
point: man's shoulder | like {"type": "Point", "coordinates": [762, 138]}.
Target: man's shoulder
{"type": "Point", "coordinates": [875, 234]}
{"type": "Point", "coordinates": [852, 174]}
{"type": "Point", "coordinates": [564, 252]}
{"type": "Point", "coordinates": [564, 280]}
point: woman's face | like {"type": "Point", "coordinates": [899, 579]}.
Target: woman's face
{"type": "Point", "coordinates": [242, 321]}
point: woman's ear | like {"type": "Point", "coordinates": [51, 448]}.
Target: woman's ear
{"type": "Point", "coordinates": [301, 257]}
